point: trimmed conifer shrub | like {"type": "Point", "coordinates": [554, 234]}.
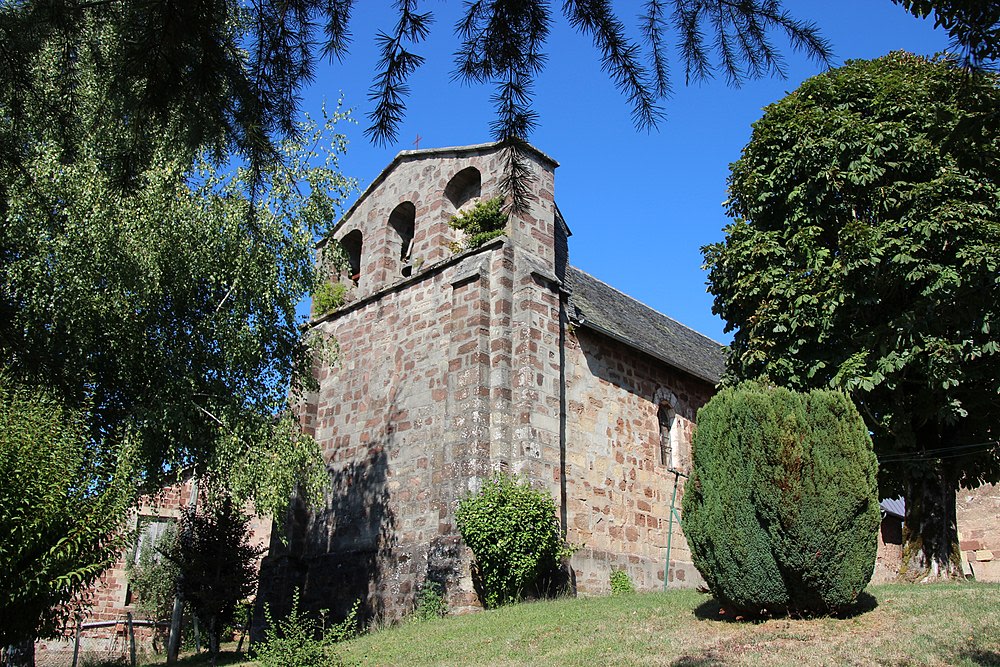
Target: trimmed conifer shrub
{"type": "Point", "coordinates": [781, 509]}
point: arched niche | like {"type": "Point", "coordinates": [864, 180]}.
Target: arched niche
{"type": "Point", "coordinates": [352, 243]}
{"type": "Point", "coordinates": [463, 186]}
{"type": "Point", "coordinates": [665, 417]}
{"type": "Point", "coordinates": [402, 220]}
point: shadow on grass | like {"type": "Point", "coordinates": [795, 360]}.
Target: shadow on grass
{"type": "Point", "coordinates": [706, 660]}
{"type": "Point", "coordinates": [224, 658]}
{"type": "Point", "coordinates": [712, 610]}
{"type": "Point", "coordinates": [981, 657]}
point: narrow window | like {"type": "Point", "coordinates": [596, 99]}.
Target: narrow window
{"type": "Point", "coordinates": [352, 246]}
{"type": "Point", "coordinates": [665, 417]}
{"type": "Point", "coordinates": [402, 221]}
{"type": "Point", "coordinates": [463, 186]}
{"type": "Point", "coordinates": [150, 540]}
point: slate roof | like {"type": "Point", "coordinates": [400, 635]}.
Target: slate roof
{"type": "Point", "coordinates": [602, 308]}
{"type": "Point", "coordinates": [894, 506]}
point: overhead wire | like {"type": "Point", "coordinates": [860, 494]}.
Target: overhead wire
{"type": "Point", "coordinates": [950, 452]}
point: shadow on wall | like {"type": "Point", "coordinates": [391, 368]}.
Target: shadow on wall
{"type": "Point", "coordinates": [332, 556]}
{"type": "Point", "coordinates": [597, 352]}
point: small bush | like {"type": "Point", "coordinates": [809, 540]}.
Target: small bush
{"type": "Point", "coordinates": [484, 221]}
{"type": "Point", "coordinates": [346, 629]}
{"type": "Point", "coordinates": [781, 509]}
{"type": "Point", "coordinates": [517, 541]}
{"type": "Point", "coordinates": [217, 564]}
{"type": "Point", "coordinates": [621, 583]}
{"type": "Point", "coordinates": [430, 602]}
{"type": "Point", "coordinates": [296, 640]}
{"type": "Point", "coordinates": [328, 297]}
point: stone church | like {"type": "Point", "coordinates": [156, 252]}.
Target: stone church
{"type": "Point", "coordinates": [457, 363]}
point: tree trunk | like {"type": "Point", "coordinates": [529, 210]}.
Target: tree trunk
{"type": "Point", "coordinates": [930, 532]}
{"type": "Point", "coordinates": [213, 639]}
{"type": "Point", "coordinates": [21, 654]}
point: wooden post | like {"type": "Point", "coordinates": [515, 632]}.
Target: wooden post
{"type": "Point", "coordinates": [76, 640]}
{"type": "Point", "coordinates": [246, 629]}
{"type": "Point", "coordinates": [131, 640]}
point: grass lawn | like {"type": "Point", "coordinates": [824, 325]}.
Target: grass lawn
{"type": "Point", "coordinates": [950, 624]}
{"type": "Point", "coordinates": [899, 624]}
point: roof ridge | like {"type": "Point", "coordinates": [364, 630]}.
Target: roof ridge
{"type": "Point", "coordinates": [646, 305]}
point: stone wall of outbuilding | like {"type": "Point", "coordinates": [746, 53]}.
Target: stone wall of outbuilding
{"type": "Point", "coordinates": [978, 517]}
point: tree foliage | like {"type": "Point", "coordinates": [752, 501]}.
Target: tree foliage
{"type": "Point", "coordinates": [864, 254]}
{"type": "Point", "coordinates": [974, 25]}
{"type": "Point", "coordinates": [781, 509]}
{"type": "Point", "coordinates": [515, 536]}
{"type": "Point", "coordinates": [154, 285]}
{"type": "Point", "coordinates": [216, 564]}
{"type": "Point", "coordinates": [62, 505]}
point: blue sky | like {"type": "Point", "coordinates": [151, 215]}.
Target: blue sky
{"type": "Point", "coordinates": [640, 205]}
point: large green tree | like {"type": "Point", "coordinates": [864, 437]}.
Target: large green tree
{"type": "Point", "coordinates": [151, 282]}
{"type": "Point", "coordinates": [865, 255]}
{"type": "Point", "coordinates": [157, 288]}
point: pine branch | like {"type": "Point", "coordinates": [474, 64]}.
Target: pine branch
{"type": "Point", "coordinates": [502, 43]}
{"type": "Point", "coordinates": [517, 178]}
{"type": "Point", "coordinates": [687, 22]}
{"type": "Point", "coordinates": [338, 34]}
{"type": "Point", "coordinates": [653, 26]}
{"type": "Point", "coordinates": [394, 68]}
{"type": "Point", "coordinates": [620, 57]}
{"type": "Point", "coordinates": [740, 30]}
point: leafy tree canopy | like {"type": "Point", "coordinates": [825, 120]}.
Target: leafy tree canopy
{"type": "Point", "coordinates": [150, 286]}
{"type": "Point", "coordinates": [864, 254]}
{"type": "Point", "coordinates": [974, 25]}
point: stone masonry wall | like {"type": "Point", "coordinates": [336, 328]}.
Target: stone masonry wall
{"type": "Point", "coordinates": [978, 515]}
{"type": "Point", "coordinates": [618, 491]}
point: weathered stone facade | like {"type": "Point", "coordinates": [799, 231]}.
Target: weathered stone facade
{"type": "Point", "coordinates": [455, 364]}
